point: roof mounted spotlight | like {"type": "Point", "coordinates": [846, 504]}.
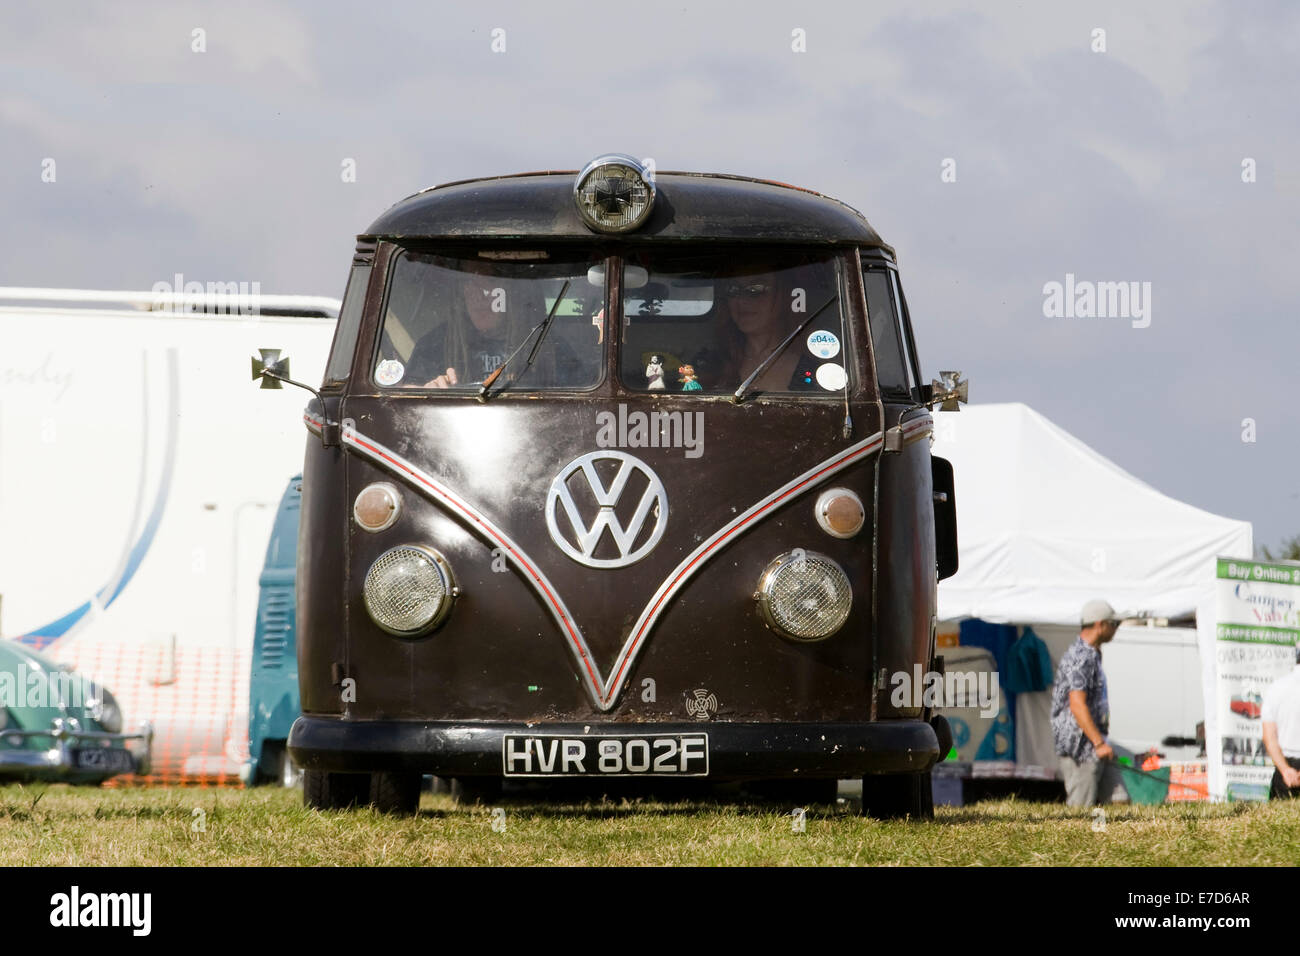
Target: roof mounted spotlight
{"type": "Point", "coordinates": [614, 193]}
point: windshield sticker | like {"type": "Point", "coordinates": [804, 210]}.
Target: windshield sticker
{"type": "Point", "coordinates": [823, 344]}
{"type": "Point", "coordinates": [831, 377]}
{"type": "Point", "coordinates": [389, 372]}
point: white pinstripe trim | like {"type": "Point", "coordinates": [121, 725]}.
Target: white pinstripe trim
{"type": "Point", "coordinates": [605, 691]}
{"type": "Point", "coordinates": [423, 481]}
{"type": "Point", "coordinates": [917, 428]}
{"type": "Point", "coordinates": [715, 542]}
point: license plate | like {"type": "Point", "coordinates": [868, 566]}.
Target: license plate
{"type": "Point", "coordinates": [605, 755]}
{"type": "Point", "coordinates": [101, 758]}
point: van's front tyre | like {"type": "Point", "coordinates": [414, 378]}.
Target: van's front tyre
{"type": "Point", "coordinates": [395, 793]}
{"type": "Point", "coordinates": [892, 796]}
{"type": "Point", "coordinates": [323, 790]}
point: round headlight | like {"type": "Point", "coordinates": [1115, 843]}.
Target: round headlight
{"type": "Point", "coordinates": [409, 590]}
{"type": "Point", "coordinates": [104, 710]}
{"type": "Point", "coordinates": [614, 193]}
{"type": "Point", "coordinates": [840, 513]}
{"type": "Point", "coordinates": [804, 595]}
{"type": "Point", "coordinates": [377, 507]}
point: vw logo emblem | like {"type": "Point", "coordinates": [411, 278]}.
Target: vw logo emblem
{"type": "Point", "coordinates": [580, 525]}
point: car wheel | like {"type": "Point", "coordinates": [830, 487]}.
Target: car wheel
{"type": "Point", "coordinates": [891, 796]}
{"type": "Point", "coordinates": [394, 792]}
{"type": "Point", "coordinates": [323, 790]}
{"type": "Point", "coordinates": [471, 790]}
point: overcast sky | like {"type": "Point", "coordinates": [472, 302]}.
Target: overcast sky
{"type": "Point", "coordinates": [1122, 165]}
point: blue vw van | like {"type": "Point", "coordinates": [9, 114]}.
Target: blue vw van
{"type": "Point", "coordinates": [273, 685]}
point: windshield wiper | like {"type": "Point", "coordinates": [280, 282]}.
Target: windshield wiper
{"type": "Point", "coordinates": [544, 326]}
{"type": "Point", "coordinates": [762, 366]}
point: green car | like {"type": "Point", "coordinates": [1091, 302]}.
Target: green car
{"type": "Point", "coordinates": [56, 724]}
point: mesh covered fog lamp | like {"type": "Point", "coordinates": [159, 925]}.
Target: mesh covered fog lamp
{"type": "Point", "coordinates": [804, 596]}
{"type": "Point", "coordinates": [614, 193]}
{"type": "Point", "coordinates": [409, 590]}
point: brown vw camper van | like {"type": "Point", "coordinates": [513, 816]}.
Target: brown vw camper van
{"type": "Point", "coordinates": [619, 475]}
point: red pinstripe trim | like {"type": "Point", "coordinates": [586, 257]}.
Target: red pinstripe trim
{"type": "Point", "coordinates": [539, 580]}
{"type": "Point", "coordinates": [679, 577]}
{"type": "Point", "coordinates": [916, 426]}
{"type": "Point", "coordinates": [606, 692]}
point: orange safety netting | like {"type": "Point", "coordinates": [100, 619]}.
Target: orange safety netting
{"type": "Point", "coordinates": [195, 697]}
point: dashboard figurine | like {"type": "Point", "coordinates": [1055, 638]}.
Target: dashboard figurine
{"type": "Point", "coordinates": [654, 371]}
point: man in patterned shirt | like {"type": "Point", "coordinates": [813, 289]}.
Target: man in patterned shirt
{"type": "Point", "coordinates": [1080, 709]}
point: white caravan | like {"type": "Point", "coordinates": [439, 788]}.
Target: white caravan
{"type": "Point", "coordinates": [140, 470]}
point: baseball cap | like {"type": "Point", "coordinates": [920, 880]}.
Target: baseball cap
{"type": "Point", "coordinates": [1096, 611]}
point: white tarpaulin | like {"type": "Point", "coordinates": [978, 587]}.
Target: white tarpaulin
{"type": "Point", "coordinates": [1044, 524]}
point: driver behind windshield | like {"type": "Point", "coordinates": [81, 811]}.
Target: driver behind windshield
{"type": "Point", "coordinates": [471, 344]}
{"type": "Point", "coordinates": [481, 322]}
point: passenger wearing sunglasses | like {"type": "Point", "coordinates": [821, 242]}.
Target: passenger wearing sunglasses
{"type": "Point", "coordinates": [756, 313]}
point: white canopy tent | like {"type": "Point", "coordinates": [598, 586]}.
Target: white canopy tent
{"type": "Point", "coordinates": [1044, 524]}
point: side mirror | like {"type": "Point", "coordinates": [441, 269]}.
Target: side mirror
{"type": "Point", "coordinates": [272, 369]}
{"type": "Point", "coordinates": [950, 390]}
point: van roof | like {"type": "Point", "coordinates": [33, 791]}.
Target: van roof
{"type": "Point", "coordinates": [695, 206]}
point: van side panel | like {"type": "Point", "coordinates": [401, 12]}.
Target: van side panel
{"type": "Point", "coordinates": [907, 586]}
{"type": "Point", "coordinates": [322, 624]}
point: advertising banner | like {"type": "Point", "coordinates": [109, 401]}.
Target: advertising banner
{"type": "Point", "coordinates": [1256, 628]}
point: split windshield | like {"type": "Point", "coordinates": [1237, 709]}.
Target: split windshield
{"type": "Point", "coordinates": [692, 322]}
{"type": "Point", "coordinates": [451, 321]}
{"type": "Point", "coordinates": [706, 322]}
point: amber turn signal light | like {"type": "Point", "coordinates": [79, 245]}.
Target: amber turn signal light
{"type": "Point", "coordinates": [840, 513]}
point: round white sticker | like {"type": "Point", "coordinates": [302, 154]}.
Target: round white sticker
{"type": "Point", "coordinates": [831, 376]}
{"type": "Point", "coordinates": [824, 344]}
{"type": "Point", "coordinates": [389, 372]}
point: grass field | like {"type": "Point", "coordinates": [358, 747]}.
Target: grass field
{"type": "Point", "coordinates": [42, 825]}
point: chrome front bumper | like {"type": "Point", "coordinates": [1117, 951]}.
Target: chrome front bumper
{"type": "Point", "coordinates": [60, 759]}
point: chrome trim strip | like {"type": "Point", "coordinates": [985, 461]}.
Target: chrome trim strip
{"type": "Point", "coordinates": [917, 428]}
{"type": "Point", "coordinates": [423, 481]}
{"type": "Point", "coordinates": [720, 538]}
{"type": "Point", "coordinates": [605, 692]}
